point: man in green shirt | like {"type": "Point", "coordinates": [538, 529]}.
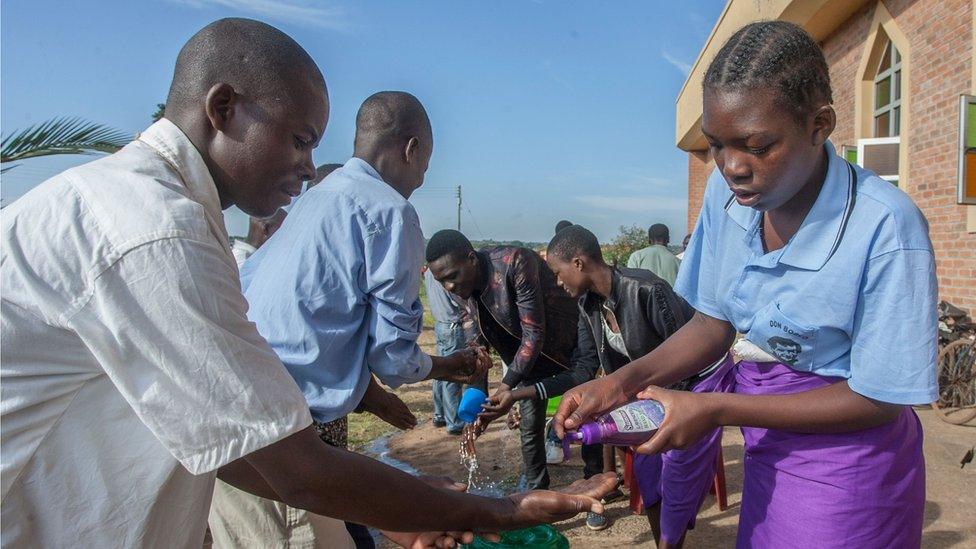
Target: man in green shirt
{"type": "Point", "coordinates": [656, 258]}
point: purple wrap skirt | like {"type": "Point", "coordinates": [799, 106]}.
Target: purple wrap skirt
{"type": "Point", "coordinates": [859, 489]}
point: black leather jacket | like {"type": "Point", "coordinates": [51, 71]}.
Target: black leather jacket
{"type": "Point", "coordinates": [647, 311]}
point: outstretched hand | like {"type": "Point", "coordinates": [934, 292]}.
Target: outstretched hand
{"type": "Point", "coordinates": [437, 540]}
{"type": "Point", "coordinates": [548, 506]}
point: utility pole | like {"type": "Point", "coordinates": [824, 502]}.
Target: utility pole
{"type": "Point", "coordinates": [459, 207]}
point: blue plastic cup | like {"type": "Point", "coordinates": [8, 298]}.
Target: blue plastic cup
{"type": "Point", "coordinates": [471, 401]}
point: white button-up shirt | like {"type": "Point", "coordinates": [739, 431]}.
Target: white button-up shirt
{"type": "Point", "coordinates": [130, 372]}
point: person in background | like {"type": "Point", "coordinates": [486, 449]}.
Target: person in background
{"type": "Point", "coordinates": [259, 230]}
{"type": "Point", "coordinates": [450, 339]}
{"type": "Point", "coordinates": [521, 313]}
{"type": "Point", "coordinates": [321, 173]}
{"type": "Point", "coordinates": [684, 246]}
{"type": "Point", "coordinates": [656, 257]}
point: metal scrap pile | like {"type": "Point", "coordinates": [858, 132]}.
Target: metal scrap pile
{"type": "Point", "coordinates": [954, 323]}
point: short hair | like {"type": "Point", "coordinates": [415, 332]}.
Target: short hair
{"type": "Point", "coordinates": [448, 242]}
{"type": "Point", "coordinates": [574, 241]}
{"type": "Point", "coordinates": [390, 118]}
{"type": "Point", "coordinates": [255, 58]}
{"type": "Point", "coordinates": [777, 55]}
{"type": "Point", "coordinates": [562, 225]}
{"type": "Point", "coordinates": [321, 173]}
{"type": "Point", "coordinates": [659, 232]}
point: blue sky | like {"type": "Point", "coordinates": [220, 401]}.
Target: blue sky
{"type": "Point", "coordinates": [541, 110]}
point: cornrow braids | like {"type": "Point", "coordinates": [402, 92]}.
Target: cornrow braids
{"type": "Point", "coordinates": [777, 55]}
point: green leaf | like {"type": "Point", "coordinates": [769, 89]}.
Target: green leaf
{"type": "Point", "coordinates": [61, 136]}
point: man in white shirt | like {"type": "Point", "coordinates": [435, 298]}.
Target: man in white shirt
{"type": "Point", "coordinates": [130, 374]}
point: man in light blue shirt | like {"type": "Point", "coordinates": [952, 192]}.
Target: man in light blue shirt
{"type": "Point", "coordinates": [336, 290]}
{"type": "Point", "coordinates": [656, 258]}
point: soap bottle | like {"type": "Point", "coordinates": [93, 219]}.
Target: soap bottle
{"type": "Point", "coordinates": [630, 425]}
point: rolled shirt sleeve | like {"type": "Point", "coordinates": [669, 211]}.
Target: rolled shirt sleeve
{"type": "Point", "coordinates": [894, 342]}
{"type": "Point", "coordinates": [393, 259]}
{"type": "Point", "coordinates": [167, 323]}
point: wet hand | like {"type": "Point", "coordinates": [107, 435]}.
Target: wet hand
{"type": "Point", "coordinates": [497, 405]}
{"type": "Point", "coordinates": [587, 401]}
{"type": "Point", "coordinates": [548, 506]}
{"type": "Point", "coordinates": [470, 365]}
{"type": "Point", "coordinates": [687, 418]}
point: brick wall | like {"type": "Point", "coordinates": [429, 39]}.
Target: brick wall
{"type": "Point", "coordinates": [940, 37]}
{"type": "Point", "coordinates": [939, 33]}
{"type": "Point", "coordinates": [700, 165]}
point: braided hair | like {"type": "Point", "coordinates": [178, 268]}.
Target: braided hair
{"type": "Point", "coordinates": [777, 55]}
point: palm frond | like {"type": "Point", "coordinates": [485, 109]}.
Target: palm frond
{"type": "Point", "coordinates": [61, 136]}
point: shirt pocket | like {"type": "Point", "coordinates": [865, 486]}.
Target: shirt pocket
{"type": "Point", "coordinates": [793, 343]}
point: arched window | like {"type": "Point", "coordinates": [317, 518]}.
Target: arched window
{"type": "Point", "coordinates": [887, 93]}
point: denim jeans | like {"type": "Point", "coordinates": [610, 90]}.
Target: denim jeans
{"type": "Point", "coordinates": [447, 394]}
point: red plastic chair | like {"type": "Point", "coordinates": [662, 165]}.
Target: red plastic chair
{"type": "Point", "coordinates": [637, 503]}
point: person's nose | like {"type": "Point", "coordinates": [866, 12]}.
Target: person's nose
{"type": "Point", "coordinates": [735, 166]}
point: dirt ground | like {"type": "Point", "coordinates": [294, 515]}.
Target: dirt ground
{"type": "Point", "coordinates": [950, 511]}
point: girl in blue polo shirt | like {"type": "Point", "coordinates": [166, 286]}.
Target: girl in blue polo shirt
{"type": "Point", "coordinates": [828, 272]}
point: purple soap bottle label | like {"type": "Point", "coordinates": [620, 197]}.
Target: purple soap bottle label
{"type": "Point", "coordinates": [638, 417]}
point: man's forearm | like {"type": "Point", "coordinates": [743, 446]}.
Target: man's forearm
{"type": "Point", "coordinates": [327, 481]}
{"type": "Point", "coordinates": [698, 343]}
{"type": "Point", "coordinates": [242, 476]}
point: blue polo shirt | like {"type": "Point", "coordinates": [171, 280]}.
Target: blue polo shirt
{"type": "Point", "coordinates": [853, 294]}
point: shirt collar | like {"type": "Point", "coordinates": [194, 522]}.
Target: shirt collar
{"type": "Point", "coordinates": [173, 146]}
{"type": "Point", "coordinates": [821, 232]}
{"type": "Point", "coordinates": [359, 165]}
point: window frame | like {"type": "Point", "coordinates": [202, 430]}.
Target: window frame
{"type": "Point", "coordinates": [895, 67]}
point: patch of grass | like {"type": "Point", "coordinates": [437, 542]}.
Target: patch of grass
{"type": "Point", "coordinates": [428, 317]}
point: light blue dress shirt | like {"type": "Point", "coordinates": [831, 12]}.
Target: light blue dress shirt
{"type": "Point", "coordinates": [853, 293]}
{"type": "Point", "coordinates": [335, 291]}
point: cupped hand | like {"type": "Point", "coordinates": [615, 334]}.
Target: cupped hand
{"type": "Point", "coordinates": [497, 405]}
{"type": "Point", "coordinates": [548, 506]}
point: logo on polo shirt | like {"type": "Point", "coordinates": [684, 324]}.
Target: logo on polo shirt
{"type": "Point", "coordinates": [784, 349]}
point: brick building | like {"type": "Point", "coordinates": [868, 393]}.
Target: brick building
{"type": "Point", "coordinates": [898, 69]}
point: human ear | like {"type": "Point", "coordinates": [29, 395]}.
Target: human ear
{"type": "Point", "coordinates": [220, 104]}
{"type": "Point", "coordinates": [411, 150]}
{"type": "Point", "coordinates": [578, 263]}
{"type": "Point", "coordinates": [823, 121]}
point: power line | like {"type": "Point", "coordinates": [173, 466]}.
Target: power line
{"type": "Point", "coordinates": [475, 221]}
